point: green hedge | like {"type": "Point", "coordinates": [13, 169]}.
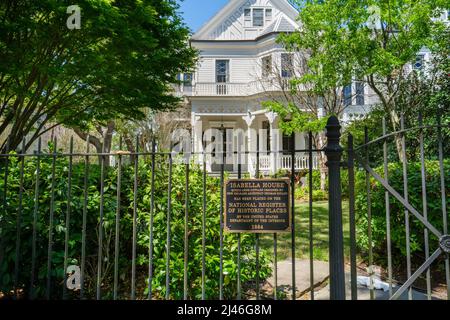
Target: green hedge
{"type": "Point", "coordinates": [8, 219]}
{"type": "Point", "coordinates": [397, 210]}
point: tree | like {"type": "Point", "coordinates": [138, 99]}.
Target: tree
{"type": "Point", "coordinates": [301, 106]}
{"type": "Point", "coordinates": [122, 60]}
{"type": "Point", "coordinates": [422, 94]}
{"type": "Point", "coordinates": [370, 41]}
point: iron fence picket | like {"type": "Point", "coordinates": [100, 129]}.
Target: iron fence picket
{"type": "Point", "coordinates": [4, 158]}
{"type": "Point", "coordinates": [117, 226]}
{"type": "Point", "coordinates": [352, 218]}
{"type": "Point", "coordinates": [203, 229]}
{"type": "Point", "coordinates": [443, 197]}
{"type": "Point", "coordinates": [100, 226]}
{"type": "Point", "coordinates": [222, 172]}
{"type": "Point", "coordinates": [19, 223]}
{"type": "Point", "coordinates": [168, 239]}
{"type": "Point", "coordinates": [50, 228]}
{"type": "Point", "coordinates": [275, 268]}
{"type": "Point", "coordinates": [369, 219]}
{"type": "Point", "coordinates": [310, 207]}
{"type": "Point", "coordinates": [186, 233]}
{"type": "Point", "coordinates": [424, 205]}
{"type": "Point", "coordinates": [84, 223]}
{"type": "Point", "coordinates": [388, 210]}
{"type": "Point", "coordinates": [406, 196]}
{"type": "Point", "coordinates": [238, 275]}
{"type": "Point", "coordinates": [294, 288]}
{"type": "Point", "coordinates": [152, 213]}
{"type": "Point", "coordinates": [135, 218]}
{"type": "Point", "coordinates": [68, 212]}
{"type": "Point", "coordinates": [35, 219]}
{"type": "Point", "coordinates": [258, 294]}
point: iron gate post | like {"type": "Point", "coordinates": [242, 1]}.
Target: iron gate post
{"type": "Point", "coordinates": [333, 151]}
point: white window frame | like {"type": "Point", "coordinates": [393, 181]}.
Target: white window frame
{"type": "Point", "coordinates": [266, 18]}
{"type": "Point", "coordinates": [266, 73]}
{"type": "Point", "coordinates": [262, 17]}
{"type": "Point", "coordinates": [249, 20]}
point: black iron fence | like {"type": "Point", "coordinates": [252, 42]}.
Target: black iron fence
{"type": "Point", "coordinates": [418, 177]}
{"type": "Point", "coordinates": [154, 228]}
{"type": "Point", "coordinates": [75, 229]}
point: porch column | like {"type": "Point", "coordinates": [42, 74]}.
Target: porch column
{"type": "Point", "coordinates": [251, 143]}
{"type": "Point", "coordinates": [197, 139]}
{"type": "Point", "coordinates": [274, 141]}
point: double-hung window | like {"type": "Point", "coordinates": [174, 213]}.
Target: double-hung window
{"type": "Point", "coordinates": [258, 17]}
{"type": "Point", "coordinates": [347, 95]}
{"type": "Point", "coordinates": [359, 86]}
{"type": "Point", "coordinates": [187, 79]}
{"type": "Point", "coordinates": [286, 65]}
{"type": "Point", "coordinates": [268, 15]}
{"type": "Point", "coordinates": [266, 66]}
{"type": "Point", "coordinates": [222, 71]}
{"type": "Point", "coordinates": [419, 63]}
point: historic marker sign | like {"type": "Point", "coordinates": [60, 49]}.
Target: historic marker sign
{"type": "Point", "coordinates": [257, 206]}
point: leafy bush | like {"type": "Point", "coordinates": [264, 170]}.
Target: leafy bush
{"type": "Point", "coordinates": [302, 193]}
{"type": "Point", "coordinates": [9, 214]}
{"type": "Point", "coordinates": [397, 210]}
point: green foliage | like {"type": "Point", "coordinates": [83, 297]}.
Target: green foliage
{"type": "Point", "coordinates": [302, 193]}
{"type": "Point", "coordinates": [9, 214]}
{"type": "Point", "coordinates": [293, 119]}
{"type": "Point", "coordinates": [123, 59]}
{"type": "Point", "coordinates": [342, 46]}
{"type": "Point", "coordinates": [397, 210]}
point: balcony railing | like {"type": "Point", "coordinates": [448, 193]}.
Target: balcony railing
{"type": "Point", "coordinates": [284, 162]}
{"type": "Point", "coordinates": [232, 89]}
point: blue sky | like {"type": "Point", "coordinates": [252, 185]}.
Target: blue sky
{"type": "Point", "coordinates": [198, 12]}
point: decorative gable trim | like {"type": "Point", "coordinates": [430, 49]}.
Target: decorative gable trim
{"type": "Point", "coordinates": [224, 18]}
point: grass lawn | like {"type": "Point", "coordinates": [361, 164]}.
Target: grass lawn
{"type": "Point", "coordinates": [320, 233]}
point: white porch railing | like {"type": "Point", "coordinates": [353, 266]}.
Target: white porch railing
{"type": "Point", "coordinates": [212, 89]}
{"type": "Point", "coordinates": [284, 162]}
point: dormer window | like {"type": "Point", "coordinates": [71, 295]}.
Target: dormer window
{"type": "Point", "coordinates": [268, 15]}
{"type": "Point", "coordinates": [258, 17]}
{"type": "Point", "coordinates": [248, 14]}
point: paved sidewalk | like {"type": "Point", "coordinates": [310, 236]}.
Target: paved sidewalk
{"type": "Point", "coordinates": [364, 293]}
{"type": "Point", "coordinates": [302, 275]}
{"type": "Point", "coordinates": [321, 275]}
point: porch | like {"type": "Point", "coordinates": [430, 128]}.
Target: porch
{"type": "Point", "coordinates": [250, 142]}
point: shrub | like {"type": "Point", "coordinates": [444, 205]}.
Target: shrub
{"type": "Point", "coordinates": [9, 213]}
{"type": "Point", "coordinates": [397, 210]}
{"type": "Point", "coordinates": [302, 193]}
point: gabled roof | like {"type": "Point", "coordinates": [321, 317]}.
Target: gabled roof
{"type": "Point", "coordinates": [280, 25]}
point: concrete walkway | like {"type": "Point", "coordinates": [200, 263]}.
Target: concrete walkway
{"type": "Point", "coordinates": [302, 275]}
{"type": "Point", "coordinates": [321, 276]}
{"type": "Point", "coordinates": [363, 292]}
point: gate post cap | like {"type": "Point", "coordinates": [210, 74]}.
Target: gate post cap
{"type": "Point", "coordinates": [333, 134]}
{"type": "Point", "coordinates": [444, 243]}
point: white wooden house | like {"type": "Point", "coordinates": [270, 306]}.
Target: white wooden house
{"type": "Point", "coordinates": [237, 48]}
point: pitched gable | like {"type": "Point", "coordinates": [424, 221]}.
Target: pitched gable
{"type": "Point", "coordinates": [241, 20]}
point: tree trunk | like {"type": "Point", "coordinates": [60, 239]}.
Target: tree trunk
{"type": "Point", "coordinates": [101, 147]}
{"type": "Point", "coordinates": [129, 142]}
{"type": "Point", "coordinates": [322, 162]}
{"type": "Point", "coordinates": [395, 121]}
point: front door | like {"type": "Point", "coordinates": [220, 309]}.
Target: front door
{"type": "Point", "coordinates": [222, 76]}
{"type": "Point", "coordinates": [226, 146]}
